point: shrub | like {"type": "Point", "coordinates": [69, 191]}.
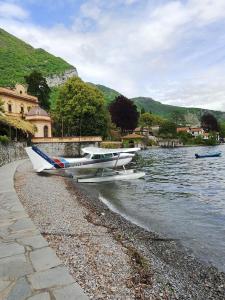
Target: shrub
{"type": "Point", "coordinates": [185, 138]}
{"type": "Point", "coordinates": [4, 139]}
{"type": "Point", "coordinates": [111, 145]}
{"type": "Point", "coordinates": [212, 141]}
{"type": "Point", "coordinates": [151, 142]}
{"type": "Point", "coordinates": [199, 140]}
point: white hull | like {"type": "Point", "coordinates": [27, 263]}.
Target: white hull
{"type": "Point", "coordinates": [122, 175]}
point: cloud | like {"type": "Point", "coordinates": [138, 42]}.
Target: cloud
{"type": "Point", "coordinates": [140, 47]}
{"type": "Point", "coordinates": [11, 10]}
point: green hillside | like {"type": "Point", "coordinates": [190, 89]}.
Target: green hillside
{"type": "Point", "coordinates": [18, 59]}
{"type": "Point", "coordinates": [165, 110]}
{"type": "Point", "coordinates": [160, 109]}
{"type": "Point", "coordinates": [109, 94]}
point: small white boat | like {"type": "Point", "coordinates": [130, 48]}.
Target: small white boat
{"type": "Point", "coordinates": [112, 176]}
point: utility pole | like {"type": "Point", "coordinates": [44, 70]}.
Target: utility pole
{"type": "Point", "coordinates": [62, 128]}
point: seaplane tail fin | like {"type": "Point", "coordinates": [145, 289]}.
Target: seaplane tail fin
{"type": "Point", "coordinates": [39, 160]}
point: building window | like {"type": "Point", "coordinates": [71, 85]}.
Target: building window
{"type": "Point", "coordinates": [45, 131]}
{"type": "Point", "coordinates": [21, 109]}
{"type": "Point", "coordinates": [10, 108]}
{"type": "Point", "coordinates": [28, 108]}
{"type": "Point", "coordinates": [21, 92]}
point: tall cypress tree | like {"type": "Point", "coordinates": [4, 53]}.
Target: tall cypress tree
{"type": "Point", "coordinates": [37, 86]}
{"type": "Point", "coordinates": [124, 113]}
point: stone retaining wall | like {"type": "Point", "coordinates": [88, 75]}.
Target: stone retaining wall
{"type": "Point", "coordinates": [12, 152]}
{"type": "Point", "coordinates": [15, 151]}
{"type": "Point", "coordinates": [65, 149]}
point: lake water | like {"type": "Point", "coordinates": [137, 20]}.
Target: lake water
{"type": "Point", "coordinates": [181, 197]}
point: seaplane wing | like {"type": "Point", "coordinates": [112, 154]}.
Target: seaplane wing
{"type": "Point", "coordinates": [96, 150]}
{"type": "Point", "coordinates": [96, 158]}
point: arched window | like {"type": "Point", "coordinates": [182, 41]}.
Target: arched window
{"type": "Point", "coordinates": [45, 131]}
{"type": "Point", "coordinates": [9, 107]}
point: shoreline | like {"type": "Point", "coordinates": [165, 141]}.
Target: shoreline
{"type": "Point", "coordinates": [151, 246]}
{"type": "Point", "coordinates": [158, 268]}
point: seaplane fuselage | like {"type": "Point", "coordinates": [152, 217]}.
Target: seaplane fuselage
{"type": "Point", "coordinates": [42, 162]}
{"type": "Point", "coordinates": [100, 161]}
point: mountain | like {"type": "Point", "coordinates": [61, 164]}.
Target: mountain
{"type": "Point", "coordinates": [165, 110]}
{"type": "Point", "coordinates": [18, 59]}
{"type": "Point", "coordinates": [109, 94]}
{"type": "Point", "coordinates": [192, 114]}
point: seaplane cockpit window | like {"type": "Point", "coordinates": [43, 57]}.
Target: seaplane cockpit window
{"type": "Point", "coordinates": [87, 155]}
{"type": "Point", "coordinates": [97, 156]}
{"type": "Point", "coordinates": [108, 155]}
{"type": "Point", "coordinates": [115, 154]}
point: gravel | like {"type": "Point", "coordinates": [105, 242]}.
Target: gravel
{"type": "Point", "coordinates": [107, 255]}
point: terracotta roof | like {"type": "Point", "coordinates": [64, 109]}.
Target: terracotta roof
{"type": "Point", "coordinates": [196, 129]}
{"type": "Point", "coordinates": [37, 111]}
{"type": "Point", "coordinates": [181, 129]}
{"type": "Point", "coordinates": [133, 136]}
{"type": "Point", "coordinates": [13, 93]}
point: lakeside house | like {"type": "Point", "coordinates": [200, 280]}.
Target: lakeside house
{"type": "Point", "coordinates": [194, 131]}
{"type": "Point", "coordinates": [23, 109]}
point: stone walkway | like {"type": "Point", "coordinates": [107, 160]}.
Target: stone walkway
{"type": "Point", "coordinates": [29, 268]}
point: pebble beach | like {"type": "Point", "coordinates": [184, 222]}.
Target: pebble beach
{"type": "Point", "coordinates": [110, 257]}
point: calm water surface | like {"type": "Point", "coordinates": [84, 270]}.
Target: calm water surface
{"type": "Point", "coordinates": [181, 197]}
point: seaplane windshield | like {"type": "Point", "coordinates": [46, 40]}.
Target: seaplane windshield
{"type": "Point", "coordinates": [102, 156]}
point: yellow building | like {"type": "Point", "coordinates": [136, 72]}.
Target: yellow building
{"type": "Point", "coordinates": [40, 118]}
{"type": "Point", "coordinates": [18, 104]}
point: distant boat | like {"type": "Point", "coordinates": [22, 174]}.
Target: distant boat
{"type": "Point", "coordinates": [215, 154]}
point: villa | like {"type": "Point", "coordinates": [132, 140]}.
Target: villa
{"type": "Point", "coordinates": [194, 131]}
{"type": "Point", "coordinates": [18, 105]}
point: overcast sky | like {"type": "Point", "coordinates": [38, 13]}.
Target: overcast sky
{"type": "Point", "coordinates": [172, 51]}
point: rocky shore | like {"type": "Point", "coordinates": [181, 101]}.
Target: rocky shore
{"type": "Point", "coordinates": [107, 255]}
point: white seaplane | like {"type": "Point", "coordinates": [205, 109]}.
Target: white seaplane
{"type": "Point", "coordinates": [104, 160]}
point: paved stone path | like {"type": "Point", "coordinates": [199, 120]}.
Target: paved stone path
{"type": "Point", "coordinates": [29, 268]}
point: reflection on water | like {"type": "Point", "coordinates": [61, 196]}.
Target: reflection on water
{"type": "Point", "coordinates": [180, 197]}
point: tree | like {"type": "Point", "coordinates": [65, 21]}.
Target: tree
{"type": "Point", "coordinates": [209, 122]}
{"type": "Point", "coordinates": [168, 129]}
{"type": "Point", "coordinates": [178, 117]}
{"type": "Point", "coordinates": [185, 137]}
{"type": "Point", "coordinates": [80, 109]}
{"type": "Point", "coordinates": [124, 113]}
{"type": "Point", "coordinates": [148, 120]}
{"type": "Point", "coordinates": [37, 86]}
{"type": "Point", "coordinates": [222, 129]}
{"type": "Point", "coordinates": [212, 141]}
{"type": "Point", "coordinates": [142, 111]}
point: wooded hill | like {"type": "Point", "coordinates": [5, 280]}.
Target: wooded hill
{"type": "Point", "coordinates": [18, 59]}
{"type": "Point", "coordinates": [158, 108]}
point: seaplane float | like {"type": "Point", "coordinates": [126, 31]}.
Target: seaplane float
{"type": "Point", "coordinates": [104, 161]}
